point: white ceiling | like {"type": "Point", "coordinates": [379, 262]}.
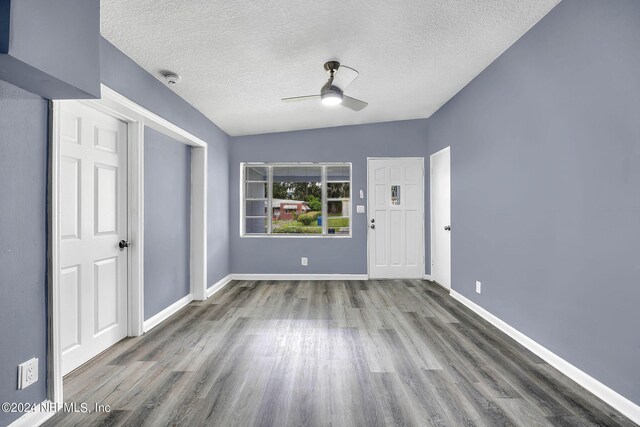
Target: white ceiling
{"type": "Point", "coordinates": [237, 59]}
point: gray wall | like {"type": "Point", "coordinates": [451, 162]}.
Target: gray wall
{"type": "Point", "coordinates": [545, 153]}
{"type": "Point", "coordinates": [23, 180]}
{"type": "Point", "coordinates": [342, 144]}
{"type": "Point", "coordinates": [123, 75]}
{"type": "Point", "coordinates": [53, 47]}
{"type": "Point", "coordinates": [167, 216]}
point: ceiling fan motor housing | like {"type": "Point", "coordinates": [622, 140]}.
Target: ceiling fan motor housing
{"type": "Point", "coordinates": [329, 88]}
{"type": "Point", "coordinates": [331, 67]}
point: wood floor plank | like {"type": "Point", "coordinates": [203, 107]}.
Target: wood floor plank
{"type": "Point", "coordinates": [396, 408]}
{"type": "Point", "coordinates": [416, 389]}
{"type": "Point", "coordinates": [485, 368]}
{"type": "Point", "coordinates": [421, 350]}
{"type": "Point", "coordinates": [327, 353]}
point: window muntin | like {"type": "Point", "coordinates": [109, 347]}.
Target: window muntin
{"type": "Point", "coordinates": [338, 205]}
{"type": "Point", "coordinates": [293, 199]}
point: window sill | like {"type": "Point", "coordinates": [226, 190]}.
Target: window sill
{"type": "Point", "coordinates": [293, 236]}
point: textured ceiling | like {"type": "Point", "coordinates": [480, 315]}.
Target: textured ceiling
{"type": "Point", "coordinates": [237, 59]}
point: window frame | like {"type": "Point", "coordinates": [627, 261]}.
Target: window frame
{"type": "Point", "coordinates": [269, 217]}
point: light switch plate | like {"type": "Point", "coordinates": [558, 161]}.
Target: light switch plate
{"type": "Point", "coordinates": [478, 287]}
{"type": "Point", "coordinates": [304, 260]}
{"type": "Point", "coordinates": [360, 209]}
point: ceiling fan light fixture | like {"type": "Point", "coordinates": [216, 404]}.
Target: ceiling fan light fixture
{"type": "Point", "coordinates": [332, 92]}
{"type": "Point", "coordinates": [331, 98]}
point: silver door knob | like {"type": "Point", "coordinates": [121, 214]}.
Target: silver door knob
{"type": "Point", "coordinates": [123, 244]}
{"type": "Point", "coordinates": [447, 228]}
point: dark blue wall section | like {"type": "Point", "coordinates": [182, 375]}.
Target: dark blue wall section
{"type": "Point", "coordinates": [53, 47]}
{"type": "Point", "coordinates": [5, 20]}
{"type": "Point", "coordinates": [277, 255]}
{"type": "Point", "coordinates": [167, 212]}
{"type": "Point", "coordinates": [123, 75]}
{"type": "Point", "coordinates": [545, 155]}
{"type": "Point", "coordinates": [23, 183]}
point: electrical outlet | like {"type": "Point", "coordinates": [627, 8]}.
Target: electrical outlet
{"type": "Point", "coordinates": [478, 287]}
{"type": "Point", "coordinates": [304, 260]}
{"type": "Point", "coordinates": [27, 373]}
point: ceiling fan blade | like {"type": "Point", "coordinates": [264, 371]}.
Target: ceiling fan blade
{"type": "Point", "coordinates": [352, 103]}
{"type": "Point", "coordinates": [300, 98]}
{"type": "Point", "coordinates": [344, 77]}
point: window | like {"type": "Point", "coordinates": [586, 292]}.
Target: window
{"type": "Point", "coordinates": [296, 199]}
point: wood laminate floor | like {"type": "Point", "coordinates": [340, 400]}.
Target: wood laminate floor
{"type": "Point", "coordinates": [339, 353]}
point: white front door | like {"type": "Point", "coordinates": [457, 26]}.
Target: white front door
{"type": "Point", "coordinates": [441, 217]}
{"type": "Point", "coordinates": [396, 218]}
{"type": "Point", "coordinates": [93, 219]}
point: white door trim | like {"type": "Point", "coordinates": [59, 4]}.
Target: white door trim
{"type": "Point", "coordinates": [431, 245]}
{"type": "Point", "coordinates": [137, 118]}
{"type": "Point", "coordinates": [368, 213]}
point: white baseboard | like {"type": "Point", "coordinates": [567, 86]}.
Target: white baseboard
{"type": "Point", "coordinates": [36, 417]}
{"type": "Point", "coordinates": [218, 285]}
{"type": "Point", "coordinates": [611, 397]}
{"type": "Point", "coordinates": [428, 277]}
{"type": "Point", "coordinates": [300, 276]}
{"type": "Point", "coordinates": [166, 313]}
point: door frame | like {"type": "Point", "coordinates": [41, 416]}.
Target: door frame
{"type": "Point", "coordinates": [421, 159]}
{"type": "Point", "coordinates": [136, 117]}
{"type": "Point", "coordinates": [431, 243]}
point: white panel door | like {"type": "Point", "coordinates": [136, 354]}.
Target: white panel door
{"type": "Point", "coordinates": [396, 218]}
{"type": "Point", "coordinates": [93, 219]}
{"type": "Point", "coordinates": [441, 217]}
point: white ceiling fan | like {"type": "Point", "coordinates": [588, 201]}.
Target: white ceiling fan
{"type": "Point", "coordinates": [332, 93]}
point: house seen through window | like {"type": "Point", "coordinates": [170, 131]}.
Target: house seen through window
{"type": "Point", "coordinates": [296, 199]}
